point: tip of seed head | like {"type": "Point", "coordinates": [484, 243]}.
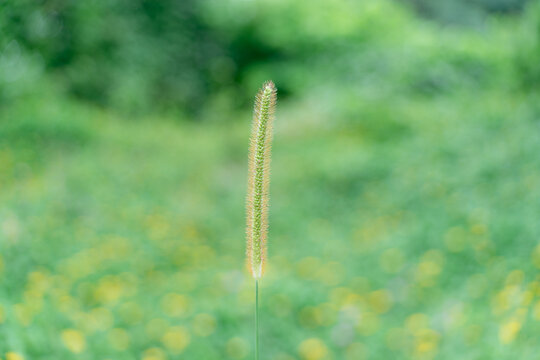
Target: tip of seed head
{"type": "Point", "coordinates": [269, 86]}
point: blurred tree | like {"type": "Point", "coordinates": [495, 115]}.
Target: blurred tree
{"type": "Point", "coordinates": [465, 12]}
{"type": "Point", "coordinates": [528, 54]}
{"type": "Point", "coordinates": [141, 55]}
{"type": "Point", "coordinates": [134, 54]}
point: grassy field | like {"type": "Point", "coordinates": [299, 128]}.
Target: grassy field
{"type": "Point", "coordinates": [403, 220]}
{"type": "Point", "coordinates": [410, 238]}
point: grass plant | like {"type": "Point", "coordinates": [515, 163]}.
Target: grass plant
{"type": "Point", "coordinates": [258, 188]}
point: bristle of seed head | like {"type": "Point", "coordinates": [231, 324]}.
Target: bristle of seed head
{"type": "Point", "coordinates": [259, 178]}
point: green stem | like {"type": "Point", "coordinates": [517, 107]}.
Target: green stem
{"type": "Point", "coordinates": [256, 319]}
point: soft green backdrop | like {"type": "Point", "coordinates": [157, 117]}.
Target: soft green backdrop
{"type": "Point", "coordinates": [405, 192]}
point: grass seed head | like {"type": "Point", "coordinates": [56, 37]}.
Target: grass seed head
{"type": "Point", "coordinates": [259, 178]}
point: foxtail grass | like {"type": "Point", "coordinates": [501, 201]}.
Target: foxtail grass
{"type": "Point", "coordinates": [258, 189]}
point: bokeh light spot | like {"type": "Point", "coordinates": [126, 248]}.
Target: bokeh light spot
{"type": "Point", "coordinates": [368, 323]}
{"type": "Point", "coordinates": [176, 339]}
{"type": "Point", "coordinates": [74, 340]}
{"type": "Point", "coordinates": [508, 331]}
{"type": "Point", "coordinates": [237, 348]}
{"type": "Point", "coordinates": [154, 354]}
{"type": "Point", "coordinates": [416, 322]}
{"type": "Point", "coordinates": [312, 349]}
{"type": "Point", "coordinates": [14, 356]}
{"type": "Point", "coordinates": [204, 325]}
{"type": "Point", "coordinates": [175, 305]}
{"type": "Point", "coordinates": [380, 301]}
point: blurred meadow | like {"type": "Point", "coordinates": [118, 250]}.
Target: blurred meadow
{"type": "Point", "coordinates": [405, 192]}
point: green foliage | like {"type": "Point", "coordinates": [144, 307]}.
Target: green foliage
{"type": "Point", "coordinates": [135, 55]}
{"type": "Point", "coordinates": [466, 12]}
{"type": "Point", "coordinates": [528, 50]}
{"type": "Point", "coordinates": [141, 55]}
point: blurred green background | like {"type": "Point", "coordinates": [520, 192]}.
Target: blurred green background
{"type": "Point", "coordinates": [405, 190]}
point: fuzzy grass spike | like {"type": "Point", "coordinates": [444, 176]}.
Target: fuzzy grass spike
{"type": "Point", "coordinates": [259, 178]}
